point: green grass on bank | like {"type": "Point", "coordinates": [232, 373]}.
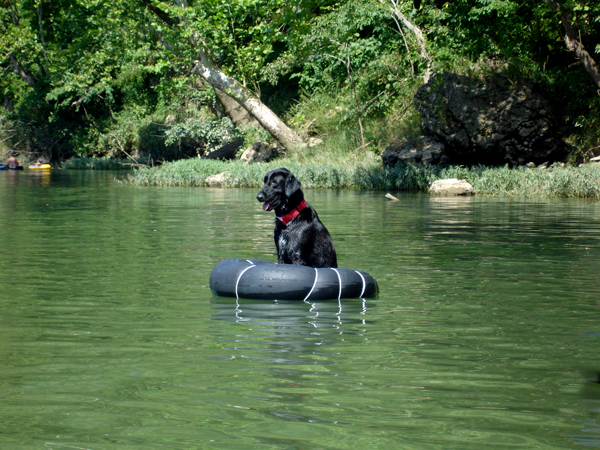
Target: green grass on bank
{"type": "Point", "coordinates": [555, 181]}
{"type": "Point", "coordinates": [193, 172]}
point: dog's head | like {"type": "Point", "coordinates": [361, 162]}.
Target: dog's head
{"type": "Point", "coordinates": [279, 186]}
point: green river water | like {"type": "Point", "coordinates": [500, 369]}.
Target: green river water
{"type": "Point", "coordinates": [485, 335]}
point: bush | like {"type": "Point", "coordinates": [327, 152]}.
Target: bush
{"type": "Point", "coordinates": [201, 134]}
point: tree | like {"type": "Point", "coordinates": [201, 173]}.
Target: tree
{"type": "Point", "coordinates": [79, 75]}
{"type": "Point", "coordinates": [234, 89]}
{"type": "Point", "coordinates": [574, 42]}
{"type": "Point", "coordinates": [15, 34]}
{"type": "Point", "coordinates": [181, 19]}
{"type": "Point", "coordinates": [401, 18]}
{"type": "Point", "coordinates": [347, 50]}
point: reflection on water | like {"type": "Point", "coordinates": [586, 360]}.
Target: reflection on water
{"type": "Point", "coordinates": [286, 314]}
{"type": "Point", "coordinates": [37, 178]}
{"type": "Point", "coordinates": [590, 434]}
{"type": "Point", "coordinates": [590, 394]}
{"type": "Point", "coordinates": [299, 342]}
{"type": "Point", "coordinates": [485, 333]}
{"type": "Point", "coordinates": [293, 327]}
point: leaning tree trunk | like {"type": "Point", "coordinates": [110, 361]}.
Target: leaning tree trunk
{"type": "Point", "coordinates": [267, 118]}
{"type": "Point", "coordinates": [236, 112]}
{"type": "Point", "coordinates": [397, 15]}
{"type": "Point", "coordinates": [574, 44]}
{"type": "Point", "coordinates": [232, 88]}
{"type": "Point", "coordinates": [24, 75]}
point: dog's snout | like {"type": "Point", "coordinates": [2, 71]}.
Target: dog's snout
{"type": "Point", "coordinates": [260, 197]}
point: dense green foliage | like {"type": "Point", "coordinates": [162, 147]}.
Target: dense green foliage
{"type": "Point", "coordinates": [102, 163]}
{"type": "Point", "coordinates": [555, 181]}
{"type": "Point", "coordinates": [99, 77]}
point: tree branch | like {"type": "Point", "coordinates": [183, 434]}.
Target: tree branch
{"type": "Point", "coordinates": [16, 68]}
{"type": "Point", "coordinates": [397, 14]}
{"type": "Point", "coordinates": [573, 41]}
{"type": "Point", "coordinates": [205, 67]}
{"type": "Point", "coordinates": [412, 65]}
{"type": "Point", "coordinates": [42, 39]}
{"type": "Point", "coordinates": [162, 15]}
{"type": "Point", "coordinates": [349, 71]}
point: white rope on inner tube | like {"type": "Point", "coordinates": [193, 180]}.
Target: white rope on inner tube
{"type": "Point", "coordinates": [313, 286]}
{"type": "Point", "coordinates": [340, 282]}
{"type": "Point", "coordinates": [364, 283]}
{"type": "Point", "coordinates": [240, 277]}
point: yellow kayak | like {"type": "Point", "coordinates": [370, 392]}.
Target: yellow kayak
{"type": "Point", "coordinates": [41, 167]}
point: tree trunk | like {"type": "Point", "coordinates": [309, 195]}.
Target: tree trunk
{"type": "Point", "coordinates": [236, 112]}
{"type": "Point", "coordinates": [267, 118]}
{"type": "Point", "coordinates": [42, 38]}
{"type": "Point", "coordinates": [397, 15]}
{"type": "Point", "coordinates": [227, 151]}
{"type": "Point", "coordinates": [25, 76]}
{"type": "Point", "coordinates": [206, 68]}
{"type": "Point", "coordinates": [574, 43]}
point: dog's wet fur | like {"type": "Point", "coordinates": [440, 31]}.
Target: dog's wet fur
{"type": "Point", "coordinates": [304, 240]}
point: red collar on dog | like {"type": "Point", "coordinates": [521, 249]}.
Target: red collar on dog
{"type": "Point", "coordinates": [293, 213]}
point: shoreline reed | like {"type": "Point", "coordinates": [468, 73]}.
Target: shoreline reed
{"type": "Point", "coordinates": [554, 181]}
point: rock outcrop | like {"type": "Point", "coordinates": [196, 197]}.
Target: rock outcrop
{"type": "Point", "coordinates": [489, 122]}
{"type": "Point", "coordinates": [423, 151]}
{"type": "Point", "coordinates": [259, 152]}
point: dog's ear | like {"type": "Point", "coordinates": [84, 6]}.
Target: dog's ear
{"type": "Point", "coordinates": [292, 184]}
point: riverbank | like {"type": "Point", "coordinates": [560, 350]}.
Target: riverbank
{"type": "Point", "coordinates": [555, 181]}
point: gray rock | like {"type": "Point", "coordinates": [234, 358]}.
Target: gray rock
{"type": "Point", "coordinates": [451, 186]}
{"type": "Point", "coordinates": [423, 151]}
{"type": "Point", "coordinates": [314, 142]}
{"type": "Point", "coordinates": [259, 152]}
{"type": "Point", "coordinates": [218, 180]}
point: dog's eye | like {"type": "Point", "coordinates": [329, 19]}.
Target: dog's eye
{"type": "Point", "coordinates": [273, 182]}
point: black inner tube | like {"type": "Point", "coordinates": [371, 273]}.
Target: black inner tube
{"type": "Point", "coordinates": [259, 279]}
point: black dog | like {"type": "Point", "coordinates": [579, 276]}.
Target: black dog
{"type": "Point", "coordinates": [300, 237]}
